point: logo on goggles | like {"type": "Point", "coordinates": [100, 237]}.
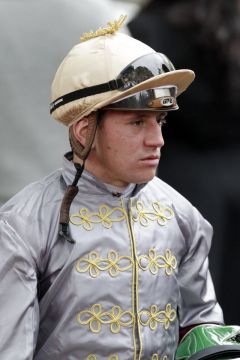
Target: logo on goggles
{"type": "Point", "coordinates": [164, 101]}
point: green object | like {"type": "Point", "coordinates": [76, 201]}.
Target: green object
{"type": "Point", "coordinates": [210, 341]}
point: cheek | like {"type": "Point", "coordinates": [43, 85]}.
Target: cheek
{"type": "Point", "coordinates": [112, 153]}
{"type": "Point", "coordinates": [108, 150]}
{"type": "Point", "coordinates": [115, 144]}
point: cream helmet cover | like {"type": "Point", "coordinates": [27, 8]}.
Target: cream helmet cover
{"type": "Point", "coordinates": [99, 59]}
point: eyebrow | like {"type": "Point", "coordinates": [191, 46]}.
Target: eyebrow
{"type": "Point", "coordinates": [157, 114]}
{"type": "Point", "coordinates": [145, 114]}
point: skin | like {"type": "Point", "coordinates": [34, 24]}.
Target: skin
{"type": "Point", "coordinates": [126, 148]}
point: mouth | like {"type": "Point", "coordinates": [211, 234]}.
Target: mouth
{"type": "Point", "coordinates": [151, 160]}
{"type": "Point", "coordinates": [152, 157]}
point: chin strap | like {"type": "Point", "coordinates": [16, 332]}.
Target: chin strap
{"type": "Point", "coordinates": [80, 150]}
{"type": "Point", "coordinates": [72, 190]}
{"type": "Point", "coordinates": [69, 195]}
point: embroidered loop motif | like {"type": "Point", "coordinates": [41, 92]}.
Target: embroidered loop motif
{"type": "Point", "coordinates": [160, 214]}
{"type": "Point", "coordinates": [158, 357]}
{"type": "Point", "coordinates": [95, 264]}
{"type": "Point", "coordinates": [153, 317]}
{"type": "Point", "coordinates": [155, 262]}
{"type": "Point", "coordinates": [95, 318]}
{"type": "Point", "coordinates": [105, 216]}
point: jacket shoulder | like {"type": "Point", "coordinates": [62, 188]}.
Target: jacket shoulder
{"type": "Point", "coordinates": [188, 217]}
{"type": "Point", "coordinates": [39, 193]}
{"type": "Point", "coordinates": [165, 192]}
{"type": "Point", "coordinates": [31, 216]}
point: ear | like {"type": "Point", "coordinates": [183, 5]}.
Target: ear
{"type": "Point", "coordinates": [80, 130]}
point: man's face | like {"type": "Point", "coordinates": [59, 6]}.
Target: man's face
{"type": "Point", "coordinates": [127, 147]}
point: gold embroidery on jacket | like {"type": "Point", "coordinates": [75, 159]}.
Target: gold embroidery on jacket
{"type": "Point", "coordinates": [160, 213]}
{"type": "Point", "coordinates": [154, 316]}
{"type": "Point", "coordinates": [114, 263]}
{"type": "Point", "coordinates": [154, 262]}
{"type": "Point", "coordinates": [137, 342]}
{"type": "Point", "coordinates": [95, 318]}
{"type": "Point", "coordinates": [105, 216]}
{"type": "Point", "coordinates": [111, 357]}
{"type": "Point", "coordinates": [158, 357]}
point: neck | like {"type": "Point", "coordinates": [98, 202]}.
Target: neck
{"type": "Point", "coordinates": [91, 168]}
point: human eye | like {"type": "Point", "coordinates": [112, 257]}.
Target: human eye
{"type": "Point", "coordinates": [137, 122]}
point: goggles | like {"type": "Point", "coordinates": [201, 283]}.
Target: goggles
{"type": "Point", "coordinates": [141, 69]}
{"type": "Point", "coordinates": [144, 68]}
{"type": "Point", "coordinates": [158, 99]}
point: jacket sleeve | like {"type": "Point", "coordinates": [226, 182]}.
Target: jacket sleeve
{"type": "Point", "coordinates": [19, 313]}
{"type": "Point", "coordinates": [198, 300]}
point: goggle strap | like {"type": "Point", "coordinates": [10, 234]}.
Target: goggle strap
{"type": "Point", "coordinates": [82, 93]}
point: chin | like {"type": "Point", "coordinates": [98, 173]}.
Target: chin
{"type": "Point", "coordinates": [145, 179]}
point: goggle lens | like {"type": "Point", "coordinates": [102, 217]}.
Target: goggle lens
{"type": "Point", "coordinates": [144, 68]}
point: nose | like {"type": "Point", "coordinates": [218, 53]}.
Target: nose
{"type": "Point", "coordinates": [153, 136]}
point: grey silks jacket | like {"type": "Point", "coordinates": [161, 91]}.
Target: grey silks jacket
{"type": "Point", "coordinates": [138, 271]}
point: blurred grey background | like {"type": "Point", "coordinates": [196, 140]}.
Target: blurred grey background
{"type": "Point", "coordinates": [202, 153]}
